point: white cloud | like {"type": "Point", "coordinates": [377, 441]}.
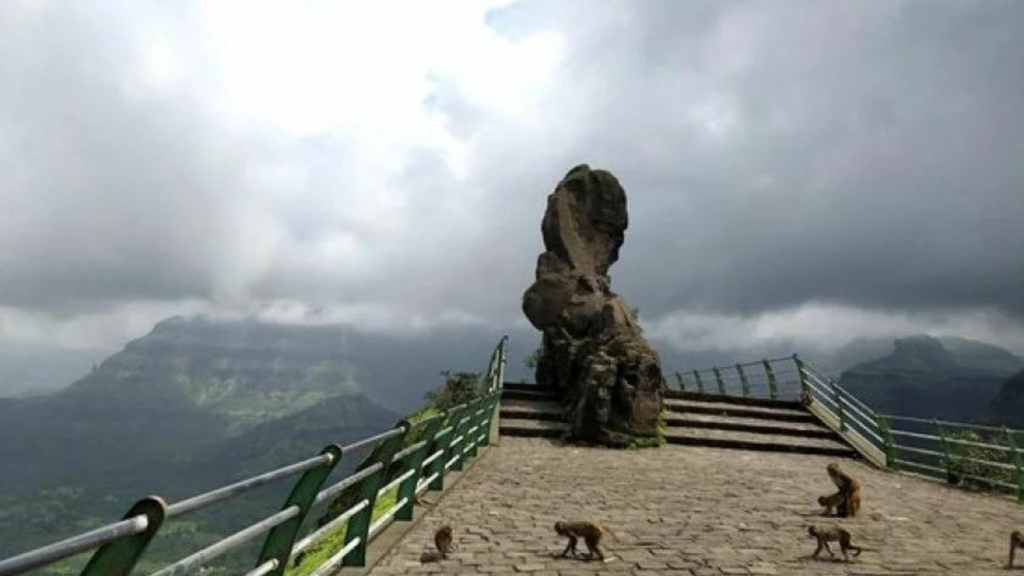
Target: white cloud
{"type": "Point", "coordinates": [386, 162]}
{"type": "Point", "coordinates": [823, 326]}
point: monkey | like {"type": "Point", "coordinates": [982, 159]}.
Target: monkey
{"type": "Point", "coordinates": [1016, 541]}
{"type": "Point", "coordinates": [591, 532]}
{"type": "Point", "coordinates": [849, 488]}
{"type": "Point", "coordinates": [443, 540]}
{"type": "Point", "coordinates": [443, 543]}
{"type": "Point", "coordinates": [805, 399]}
{"type": "Point", "coordinates": [830, 502]}
{"type": "Point", "coordinates": [824, 535]}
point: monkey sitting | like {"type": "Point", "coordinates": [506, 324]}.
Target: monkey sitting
{"type": "Point", "coordinates": [849, 488]}
{"type": "Point", "coordinates": [591, 532]}
{"type": "Point", "coordinates": [443, 541]}
{"type": "Point", "coordinates": [1016, 541]}
{"type": "Point", "coordinates": [824, 535]}
{"type": "Point", "coordinates": [805, 399]}
{"type": "Point", "coordinates": [831, 502]}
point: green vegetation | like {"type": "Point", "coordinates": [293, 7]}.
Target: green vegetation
{"type": "Point", "coordinates": [458, 388]}
{"type": "Point", "coordinates": [977, 467]}
{"type": "Point", "coordinates": [333, 541]}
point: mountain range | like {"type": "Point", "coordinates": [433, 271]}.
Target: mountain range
{"type": "Point", "coordinates": [198, 403]}
{"type": "Point", "coordinates": [947, 378]}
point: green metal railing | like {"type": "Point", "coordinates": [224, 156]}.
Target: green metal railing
{"type": "Point", "coordinates": [774, 379]}
{"type": "Point", "coordinates": [954, 452]}
{"type": "Point", "coordinates": [405, 461]}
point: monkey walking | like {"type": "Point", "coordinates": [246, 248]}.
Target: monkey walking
{"type": "Point", "coordinates": [591, 532]}
{"type": "Point", "coordinates": [849, 488]}
{"type": "Point", "coordinates": [443, 541]}
{"type": "Point", "coordinates": [831, 502]}
{"type": "Point", "coordinates": [1016, 541]}
{"type": "Point", "coordinates": [826, 534]}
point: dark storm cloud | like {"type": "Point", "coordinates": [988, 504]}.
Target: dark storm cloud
{"type": "Point", "coordinates": [869, 153]}
{"type": "Point", "coordinates": [774, 153]}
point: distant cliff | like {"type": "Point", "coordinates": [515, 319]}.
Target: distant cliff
{"type": "Point", "coordinates": [953, 379]}
{"type": "Point", "coordinates": [1008, 406]}
{"type": "Point", "coordinates": [192, 405]}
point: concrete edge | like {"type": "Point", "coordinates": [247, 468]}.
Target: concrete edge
{"type": "Point", "coordinates": [871, 454]}
{"type": "Point", "coordinates": [386, 540]}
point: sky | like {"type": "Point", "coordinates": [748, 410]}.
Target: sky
{"type": "Point", "coordinates": [807, 172]}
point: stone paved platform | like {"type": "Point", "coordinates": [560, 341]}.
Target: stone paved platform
{"type": "Point", "coordinates": [701, 511]}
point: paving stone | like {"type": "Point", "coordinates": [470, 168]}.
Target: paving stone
{"type": "Point", "coordinates": [700, 511]}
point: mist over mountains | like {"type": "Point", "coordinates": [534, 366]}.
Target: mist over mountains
{"type": "Point", "coordinates": [197, 403]}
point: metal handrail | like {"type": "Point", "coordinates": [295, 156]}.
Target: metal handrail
{"type": "Point", "coordinates": [413, 472]}
{"type": "Point", "coordinates": [866, 429]}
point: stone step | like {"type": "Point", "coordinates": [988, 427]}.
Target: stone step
{"type": "Point", "coordinates": [530, 410]}
{"type": "Point", "coordinates": [748, 424]}
{"type": "Point", "coordinates": [736, 410]}
{"type": "Point", "coordinates": [527, 394]}
{"type": "Point", "coordinates": [532, 428]}
{"type": "Point", "coordinates": [758, 442]}
{"type": "Point", "coordinates": [736, 400]}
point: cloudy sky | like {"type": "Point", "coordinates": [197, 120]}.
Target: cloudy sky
{"type": "Point", "coordinates": [810, 171]}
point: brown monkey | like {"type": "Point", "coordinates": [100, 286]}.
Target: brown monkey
{"type": "Point", "coordinates": [1016, 541]}
{"type": "Point", "coordinates": [849, 488]}
{"type": "Point", "coordinates": [824, 535]}
{"type": "Point", "coordinates": [591, 532]}
{"type": "Point", "coordinates": [805, 399]}
{"type": "Point", "coordinates": [831, 502]}
{"type": "Point", "coordinates": [443, 543]}
{"type": "Point", "coordinates": [443, 540]}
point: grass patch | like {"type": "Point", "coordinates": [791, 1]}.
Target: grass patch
{"type": "Point", "coordinates": [333, 541]}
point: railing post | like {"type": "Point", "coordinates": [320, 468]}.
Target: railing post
{"type": "Point", "coordinates": [119, 557]}
{"type": "Point", "coordinates": [491, 420]}
{"type": "Point", "coordinates": [885, 429]}
{"type": "Point", "coordinates": [279, 541]}
{"type": "Point", "coordinates": [492, 405]}
{"type": "Point", "coordinates": [1018, 461]}
{"type": "Point", "coordinates": [461, 427]}
{"type": "Point", "coordinates": [502, 360]}
{"type": "Point", "coordinates": [802, 374]}
{"type": "Point", "coordinates": [773, 386]}
{"type": "Point", "coordinates": [950, 475]}
{"type": "Point", "coordinates": [682, 384]}
{"type": "Point", "coordinates": [700, 383]}
{"type": "Point", "coordinates": [477, 418]}
{"type": "Point", "coordinates": [407, 489]}
{"type": "Point", "coordinates": [719, 382]}
{"type": "Point", "coordinates": [359, 524]}
{"type": "Point", "coordinates": [494, 423]}
{"type": "Point", "coordinates": [436, 467]}
{"type": "Point", "coordinates": [840, 411]}
{"type": "Point", "coordinates": [743, 380]}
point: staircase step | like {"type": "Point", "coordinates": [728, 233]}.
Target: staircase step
{"type": "Point", "coordinates": [532, 428]}
{"type": "Point", "coordinates": [526, 394]}
{"type": "Point", "coordinates": [759, 442]}
{"type": "Point", "coordinates": [737, 400]}
{"type": "Point", "coordinates": [742, 411]}
{"type": "Point", "coordinates": [747, 424]}
{"type": "Point", "coordinates": [530, 410]}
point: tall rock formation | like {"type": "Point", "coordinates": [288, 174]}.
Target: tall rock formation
{"type": "Point", "coordinates": [594, 352]}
